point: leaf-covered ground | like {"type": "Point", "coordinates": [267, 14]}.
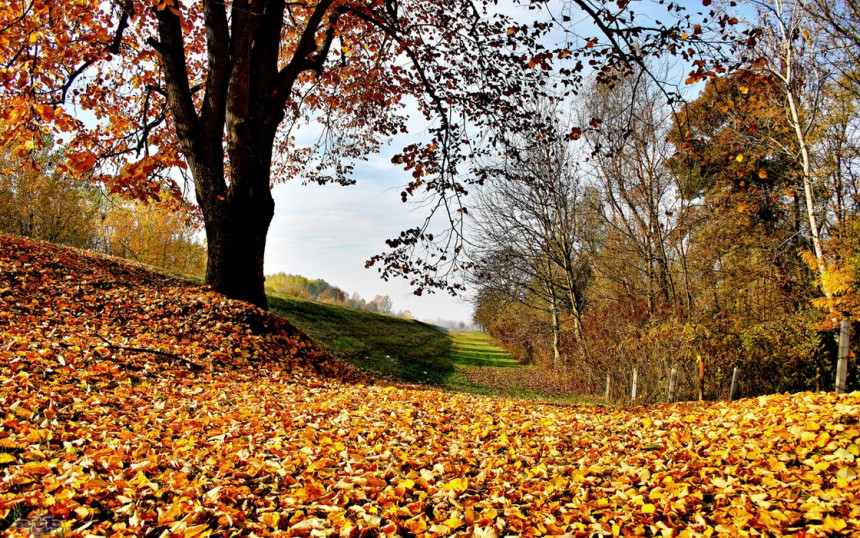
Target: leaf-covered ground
{"type": "Point", "coordinates": [134, 404]}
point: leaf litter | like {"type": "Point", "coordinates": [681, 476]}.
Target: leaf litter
{"type": "Point", "coordinates": [135, 404]}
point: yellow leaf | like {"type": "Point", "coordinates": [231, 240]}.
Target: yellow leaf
{"type": "Point", "coordinates": [761, 500]}
{"type": "Point", "coordinates": [833, 524]}
{"type": "Point", "coordinates": [197, 531]}
{"type": "Point", "coordinates": [7, 458]}
{"type": "Point", "coordinates": [740, 158]}
{"type": "Point", "coordinates": [452, 523]}
{"type": "Point", "coordinates": [648, 508]}
{"type": "Point", "coordinates": [416, 525]}
{"type": "Point", "coordinates": [271, 519]}
{"type": "Point", "coordinates": [820, 466]}
{"type": "Point", "coordinates": [458, 485]}
{"type": "Point", "coordinates": [846, 473]}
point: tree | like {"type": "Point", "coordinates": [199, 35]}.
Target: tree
{"type": "Point", "coordinates": [157, 233]}
{"type": "Point", "coordinates": [36, 201]}
{"type": "Point", "coordinates": [783, 45]}
{"type": "Point", "coordinates": [529, 226]}
{"type": "Point", "coordinates": [839, 20]}
{"type": "Point", "coordinates": [217, 87]}
{"type": "Point", "coordinates": [216, 90]}
{"type": "Point", "coordinates": [636, 188]}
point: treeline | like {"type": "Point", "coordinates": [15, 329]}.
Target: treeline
{"type": "Point", "coordinates": [640, 235]}
{"type": "Point", "coordinates": [320, 290]}
{"type": "Point", "coordinates": [37, 201]}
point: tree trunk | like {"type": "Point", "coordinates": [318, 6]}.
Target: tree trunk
{"type": "Point", "coordinates": [556, 332]}
{"type": "Point", "coordinates": [236, 230]}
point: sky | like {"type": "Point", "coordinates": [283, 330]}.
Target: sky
{"type": "Point", "coordinates": [330, 231]}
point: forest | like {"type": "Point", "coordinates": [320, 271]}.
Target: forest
{"type": "Point", "coordinates": [721, 230]}
{"type": "Point", "coordinates": [647, 200]}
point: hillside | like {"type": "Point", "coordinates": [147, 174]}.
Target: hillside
{"type": "Point", "coordinates": [136, 404]}
{"type": "Point", "coordinates": [405, 349]}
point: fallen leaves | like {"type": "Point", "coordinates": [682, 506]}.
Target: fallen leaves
{"type": "Point", "coordinates": [268, 435]}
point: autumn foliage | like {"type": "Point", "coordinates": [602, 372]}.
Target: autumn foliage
{"type": "Point", "coordinates": [136, 404]}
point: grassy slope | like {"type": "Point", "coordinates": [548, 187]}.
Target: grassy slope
{"type": "Point", "coordinates": [404, 349]}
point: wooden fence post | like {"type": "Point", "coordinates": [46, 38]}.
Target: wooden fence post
{"type": "Point", "coordinates": [671, 384]}
{"type": "Point", "coordinates": [633, 388]}
{"type": "Point", "coordinates": [606, 397]}
{"type": "Point", "coordinates": [734, 389]}
{"type": "Point", "coordinates": [701, 377]}
{"type": "Point", "coordinates": [842, 364]}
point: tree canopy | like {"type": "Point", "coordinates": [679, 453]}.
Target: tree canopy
{"type": "Point", "coordinates": [144, 94]}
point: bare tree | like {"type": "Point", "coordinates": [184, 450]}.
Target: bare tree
{"type": "Point", "coordinates": [528, 229]}
{"type": "Point", "coordinates": [630, 155]}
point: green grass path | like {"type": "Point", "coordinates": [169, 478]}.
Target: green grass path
{"type": "Point", "coordinates": [416, 352]}
{"type": "Point", "coordinates": [475, 359]}
{"type": "Point", "coordinates": [471, 349]}
{"type": "Point", "coordinates": [480, 366]}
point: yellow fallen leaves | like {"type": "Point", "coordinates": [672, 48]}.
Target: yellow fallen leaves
{"type": "Point", "coordinates": [136, 444]}
{"type": "Point", "coordinates": [458, 485]}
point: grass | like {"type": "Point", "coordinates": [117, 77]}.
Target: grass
{"type": "Point", "coordinates": [474, 351]}
{"type": "Point", "coordinates": [482, 367]}
{"type": "Point", "coordinates": [477, 350]}
{"type": "Point", "coordinates": [404, 349]}
{"type": "Point", "coordinates": [416, 352]}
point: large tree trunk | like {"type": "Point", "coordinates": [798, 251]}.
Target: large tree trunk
{"type": "Point", "coordinates": [237, 220]}
{"type": "Point", "coordinates": [246, 91]}
{"type": "Point", "coordinates": [236, 230]}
